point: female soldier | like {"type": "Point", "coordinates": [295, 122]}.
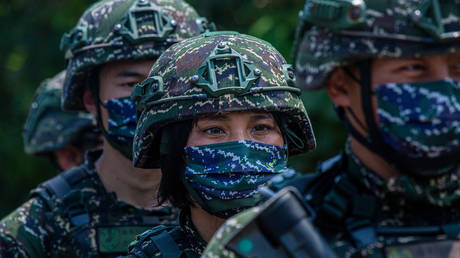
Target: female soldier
{"type": "Point", "coordinates": [224, 112]}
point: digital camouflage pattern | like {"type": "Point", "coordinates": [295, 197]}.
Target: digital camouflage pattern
{"type": "Point", "coordinates": [122, 123]}
{"type": "Point", "coordinates": [122, 118]}
{"type": "Point", "coordinates": [48, 226]}
{"type": "Point", "coordinates": [217, 72]}
{"type": "Point", "coordinates": [180, 241]}
{"type": "Point", "coordinates": [48, 128]}
{"type": "Point", "coordinates": [362, 215]}
{"type": "Point", "coordinates": [224, 177]}
{"type": "Point", "coordinates": [217, 246]}
{"type": "Point", "coordinates": [112, 30]}
{"type": "Point", "coordinates": [331, 34]}
{"type": "Point", "coordinates": [420, 119]}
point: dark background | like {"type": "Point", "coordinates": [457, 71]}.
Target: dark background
{"type": "Point", "coordinates": [29, 53]}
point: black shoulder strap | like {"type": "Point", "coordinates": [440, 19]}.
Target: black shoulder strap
{"type": "Point", "coordinates": [59, 187]}
{"type": "Point", "coordinates": [323, 179]}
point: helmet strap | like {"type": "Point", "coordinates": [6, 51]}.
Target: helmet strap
{"type": "Point", "coordinates": [373, 140]}
{"type": "Point", "coordinates": [92, 82]}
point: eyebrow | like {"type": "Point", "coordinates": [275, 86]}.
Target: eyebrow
{"type": "Point", "coordinates": [261, 117]}
{"type": "Point", "coordinates": [128, 73]}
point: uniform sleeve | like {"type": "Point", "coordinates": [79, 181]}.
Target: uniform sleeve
{"type": "Point", "coordinates": [24, 232]}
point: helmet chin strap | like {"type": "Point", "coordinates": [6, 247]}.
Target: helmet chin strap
{"type": "Point", "coordinates": [94, 87]}
{"type": "Point", "coordinates": [373, 141]}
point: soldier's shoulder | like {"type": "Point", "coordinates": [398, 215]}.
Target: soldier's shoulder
{"type": "Point", "coordinates": [217, 245]}
{"type": "Point", "coordinates": [24, 229]}
{"type": "Point", "coordinates": [153, 242]}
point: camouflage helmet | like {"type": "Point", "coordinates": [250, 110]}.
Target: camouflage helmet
{"type": "Point", "coordinates": [112, 30]}
{"type": "Point", "coordinates": [335, 33]}
{"type": "Point", "coordinates": [47, 127]}
{"type": "Point", "coordinates": [217, 72]}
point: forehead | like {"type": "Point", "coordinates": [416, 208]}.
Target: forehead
{"type": "Point", "coordinates": [136, 66]}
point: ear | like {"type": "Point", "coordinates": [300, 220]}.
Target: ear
{"type": "Point", "coordinates": [89, 102]}
{"type": "Point", "coordinates": [338, 88]}
{"type": "Point", "coordinates": [69, 157]}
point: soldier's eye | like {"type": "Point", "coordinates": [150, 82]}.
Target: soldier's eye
{"type": "Point", "coordinates": [129, 84]}
{"type": "Point", "coordinates": [214, 131]}
{"type": "Point", "coordinates": [412, 68]}
{"type": "Point", "coordinates": [262, 128]}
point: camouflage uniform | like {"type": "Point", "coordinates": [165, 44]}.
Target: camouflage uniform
{"type": "Point", "coordinates": [357, 212]}
{"type": "Point", "coordinates": [49, 129]}
{"type": "Point", "coordinates": [72, 214]}
{"type": "Point", "coordinates": [214, 72]}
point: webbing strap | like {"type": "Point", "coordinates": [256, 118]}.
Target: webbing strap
{"type": "Point", "coordinates": [58, 185]}
{"type": "Point", "coordinates": [166, 244]}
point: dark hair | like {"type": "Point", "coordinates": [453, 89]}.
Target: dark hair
{"type": "Point", "coordinates": [172, 162]}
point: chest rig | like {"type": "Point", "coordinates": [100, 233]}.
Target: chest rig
{"type": "Point", "coordinates": [350, 213]}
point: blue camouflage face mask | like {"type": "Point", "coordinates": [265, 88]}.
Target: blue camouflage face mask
{"type": "Point", "coordinates": [422, 121]}
{"type": "Point", "coordinates": [223, 178]}
{"type": "Point", "coordinates": [122, 124]}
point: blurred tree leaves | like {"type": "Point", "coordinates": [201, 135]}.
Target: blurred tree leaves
{"type": "Point", "coordinates": [29, 47]}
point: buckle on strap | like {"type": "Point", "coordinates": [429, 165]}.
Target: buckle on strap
{"type": "Point", "coordinates": [76, 208]}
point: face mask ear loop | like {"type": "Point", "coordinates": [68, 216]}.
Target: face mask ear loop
{"type": "Point", "coordinates": [366, 141]}
{"type": "Point", "coordinates": [374, 141]}
{"type": "Point", "coordinates": [366, 100]}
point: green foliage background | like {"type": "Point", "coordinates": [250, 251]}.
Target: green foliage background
{"type": "Point", "coordinates": [29, 53]}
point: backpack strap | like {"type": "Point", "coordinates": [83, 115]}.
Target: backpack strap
{"type": "Point", "coordinates": [61, 187]}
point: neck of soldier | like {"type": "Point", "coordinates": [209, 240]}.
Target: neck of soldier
{"type": "Point", "coordinates": [134, 186]}
{"type": "Point", "coordinates": [205, 223]}
{"type": "Point", "coordinates": [371, 160]}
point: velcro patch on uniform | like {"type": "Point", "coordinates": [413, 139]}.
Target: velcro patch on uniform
{"type": "Point", "coordinates": [116, 239]}
{"type": "Point", "coordinates": [445, 248]}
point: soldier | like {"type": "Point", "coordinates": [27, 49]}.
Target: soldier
{"type": "Point", "coordinates": [393, 72]}
{"type": "Point", "coordinates": [222, 111]}
{"type": "Point", "coordinates": [96, 209]}
{"type": "Point", "coordinates": [392, 69]}
{"type": "Point", "coordinates": [61, 136]}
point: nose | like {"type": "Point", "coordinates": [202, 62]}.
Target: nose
{"type": "Point", "coordinates": [239, 134]}
{"type": "Point", "coordinates": [439, 68]}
